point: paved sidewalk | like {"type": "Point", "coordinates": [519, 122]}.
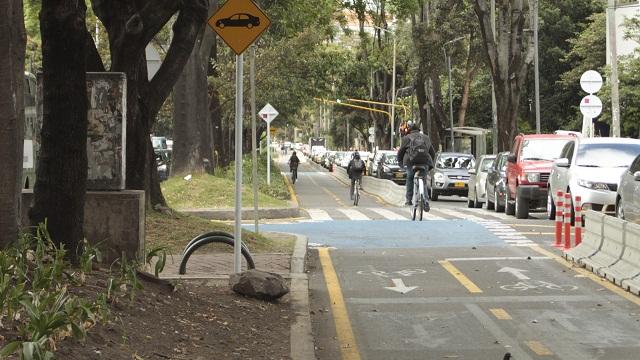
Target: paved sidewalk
{"type": "Point", "coordinates": [221, 264]}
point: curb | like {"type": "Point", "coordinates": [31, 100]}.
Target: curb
{"type": "Point", "coordinates": [247, 213]}
{"type": "Point", "coordinates": [301, 338]}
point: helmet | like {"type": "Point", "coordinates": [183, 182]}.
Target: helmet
{"type": "Point", "coordinates": [356, 155]}
{"type": "Point", "coordinates": [412, 125]}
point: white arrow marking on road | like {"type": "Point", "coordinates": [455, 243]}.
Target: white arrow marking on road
{"type": "Point", "coordinates": [400, 286]}
{"type": "Point", "coordinates": [515, 272]}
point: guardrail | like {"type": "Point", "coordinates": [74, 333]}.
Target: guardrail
{"type": "Point", "coordinates": [611, 249]}
{"type": "Point", "coordinates": [387, 190]}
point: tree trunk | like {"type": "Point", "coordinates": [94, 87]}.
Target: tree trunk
{"type": "Point", "coordinates": [12, 54]}
{"type": "Point", "coordinates": [469, 75]}
{"type": "Point", "coordinates": [508, 59]}
{"type": "Point", "coordinates": [62, 168]}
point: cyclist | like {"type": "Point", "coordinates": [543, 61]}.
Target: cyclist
{"type": "Point", "coordinates": [294, 161]}
{"type": "Point", "coordinates": [416, 153]}
{"type": "Point", "coordinates": [355, 170]}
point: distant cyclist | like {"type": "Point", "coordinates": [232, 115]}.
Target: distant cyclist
{"type": "Point", "coordinates": [355, 170]}
{"type": "Point", "coordinates": [294, 161]}
{"type": "Point", "coordinates": [416, 151]}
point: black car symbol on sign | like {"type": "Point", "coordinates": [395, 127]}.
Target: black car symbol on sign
{"type": "Point", "coordinates": [239, 20]}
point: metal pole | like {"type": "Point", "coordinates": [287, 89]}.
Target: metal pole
{"type": "Point", "coordinates": [237, 264]}
{"type": "Point", "coordinates": [393, 93]}
{"type": "Point", "coordinates": [536, 65]}
{"type": "Point", "coordinates": [613, 62]}
{"type": "Point", "coordinates": [494, 105]}
{"type": "Point", "coordinates": [268, 152]}
{"type": "Point", "coordinates": [254, 137]}
{"type": "Point", "coordinates": [450, 101]}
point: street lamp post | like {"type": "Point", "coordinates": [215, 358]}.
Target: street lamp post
{"type": "Point", "coordinates": [448, 60]}
{"type": "Point", "coordinates": [393, 84]}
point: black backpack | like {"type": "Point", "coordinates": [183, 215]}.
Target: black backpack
{"type": "Point", "coordinates": [418, 150]}
{"type": "Point", "coordinates": [358, 165]}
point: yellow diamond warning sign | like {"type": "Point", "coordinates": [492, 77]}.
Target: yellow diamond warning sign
{"type": "Point", "coordinates": [239, 23]}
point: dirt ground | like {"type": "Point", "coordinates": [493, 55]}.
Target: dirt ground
{"type": "Point", "coordinates": [193, 321]}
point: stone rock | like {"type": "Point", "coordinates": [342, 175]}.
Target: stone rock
{"type": "Point", "coordinates": [259, 284]}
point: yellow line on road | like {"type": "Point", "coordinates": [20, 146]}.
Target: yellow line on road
{"type": "Point", "coordinates": [462, 278]}
{"type": "Point", "coordinates": [539, 348]}
{"type": "Point", "coordinates": [292, 192]}
{"type": "Point", "coordinates": [588, 274]}
{"type": "Point", "coordinates": [334, 196]}
{"type": "Point", "coordinates": [500, 314]}
{"type": "Point", "coordinates": [348, 345]}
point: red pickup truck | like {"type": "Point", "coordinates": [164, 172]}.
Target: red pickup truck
{"type": "Point", "coordinates": [528, 168]}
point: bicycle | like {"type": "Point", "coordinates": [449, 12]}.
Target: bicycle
{"type": "Point", "coordinates": [294, 174]}
{"type": "Point", "coordinates": [356, 192]}
{"type": "Point", "coordinates": [419, 198]}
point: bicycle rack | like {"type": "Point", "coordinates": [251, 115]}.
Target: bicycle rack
{"type": "Point", "coordinates": [210, 238]}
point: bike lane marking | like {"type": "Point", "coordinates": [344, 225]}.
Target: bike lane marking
{"type": "Point", "coordinates": [462, 278]}
{"type": "Point", "coordinates": [539, 348]}
{"type": "Point", "coordinates": [597, 279]}
{"type": "Point", "coordinates": [344, 330]}
{"type": "Point", "coordinates": [501, 314]}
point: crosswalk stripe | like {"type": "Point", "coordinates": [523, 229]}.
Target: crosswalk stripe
{"type": "Point", "coordinates": [388, 214]}
{"type": "Point", "coordinates": [454, 213]}
{"type": "Point", "coordinates": [354, 214]}
{"type": "Point", "coordinates": [319, 215]}
{"type": "Point", "coordinates": [430, 216]}
{"type": "Point", "coordinates": [496, 215]}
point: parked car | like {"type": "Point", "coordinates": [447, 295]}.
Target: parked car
{"type": "Point", "coordinates": [450, 176]}
{"type": "Point", "coordinates": [344, 162]}
{"type": "Point", "coordinates": [591, 168]}
{"type": "Point", "coordinates": [477, 181]}
{"type": "Point", "coordinates": [528, 168]}
{"type": "Point", "coordinates": [388, 168]}
{"type": "Point", "coordinates": [163, 161]}
{"type": "Point", "coordinates": [497, 183]}
{"type": "Point", "coordinates": [327, 159]}
{"type": "Point", "coordinates": [628, 196]}
{"type": "Point", "coordinates": [373, 164]}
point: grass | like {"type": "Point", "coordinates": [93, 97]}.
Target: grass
{"type": "Point", "coordinates": [208, 191]}
{"type": "Point", "coordinates": [175, 230]}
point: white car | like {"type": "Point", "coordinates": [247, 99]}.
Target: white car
{"type": "Point", "coordinates": [478, 181]}
{"type": "Point", "coordinates": [628, 199]}
{"type": "Point", "coordinates": [591, 168]}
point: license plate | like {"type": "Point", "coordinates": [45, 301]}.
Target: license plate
{"type": "Point", "coordinates": [399, 175]}
{"type": "Point", "coordinates": [459, 184]}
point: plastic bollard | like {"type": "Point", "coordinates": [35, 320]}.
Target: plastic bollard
{"type": "Point", "coordinates": [559, 212]}
{"type": "Point", "coordinates": [578, 220]}
{"type": "Point", "coordinates": [567, 221]}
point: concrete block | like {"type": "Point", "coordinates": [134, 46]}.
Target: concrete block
{"type": "Point", "coordinates": [592, 239]}
{"type": "Point", "coordinates": [612, 246]}
{"type": "Point", "coordinates": [631, 256]}
{"type": "Point", "coordinates": [113, 220]}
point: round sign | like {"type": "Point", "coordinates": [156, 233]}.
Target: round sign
{"type": "Point", "coordinates": [591, 81]}
{"type": "Point", "coordinates": [372, 130]}
{"type": "Point", "coordinates": [591, 106]}
{"type": "Point", "coordinates": [372, 139]}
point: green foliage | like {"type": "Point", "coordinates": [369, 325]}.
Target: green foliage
{"type": "Point", "coordinates": [159, 252]}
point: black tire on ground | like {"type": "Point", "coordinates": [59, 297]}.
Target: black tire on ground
{"type": "Point", "coordinates": [210, 240]}
{"type": "Point", "coordinates": [522, 208]}
{"type": "Point", "coordinates": [490, 204]}
{"type": "Point", "coordinates": [509, 207]}
{"type": "Point", "coordinates": [470, 203]}
{"type": "Point", "coordinates": [476, 203]}
{"type": "Point", "coordinates": [421, 206]}
{"type": "Point", "coordinates": [498, 208]}
{"type": "Point", "coordinates": [433, 194]}
{"type": "Point", "coordinates": [551, 207]}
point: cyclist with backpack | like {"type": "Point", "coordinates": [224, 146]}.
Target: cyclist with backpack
{"type": "Point", "coordinates": [294, 161]}
{"type": "Point", "coordinates": [355, 170]}
{"type": "Point", "coordinates": [416, 153]}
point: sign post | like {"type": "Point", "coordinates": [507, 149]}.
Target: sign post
{"type": "Point", "coordinates": [268, 113]}
{"type": "Point", "coordinates": [239, 23]}
{"type": "Point", "coordinates": [590, 105]}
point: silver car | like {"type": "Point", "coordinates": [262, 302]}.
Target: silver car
{"type": "Point", "coordinates": [478, 180]}
{"type": "Point", "coordinates": [628, 197]}
{"type": "Point", "coordinates": [450, 176]}
{"type": "Point", "coordinates": [591, 168]}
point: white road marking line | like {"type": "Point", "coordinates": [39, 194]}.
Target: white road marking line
{"type": "Point", "coordinates": [388, 214]}
{"type": "Point", "coordinates": [501, 216]}
{"type": "Point", "coordinates": [430, 216]}
{"type": "Point", "coordinates": [354, 214]}
{"type": "Point", "coordinates": [319, 215]}
{"type": "Point", "coordinates": [454, 213]}
{"type": "Point", "coordinates": [498, 258]}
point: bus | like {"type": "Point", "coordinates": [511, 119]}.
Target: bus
{"type": "Point", "coordinates": [31, 132]}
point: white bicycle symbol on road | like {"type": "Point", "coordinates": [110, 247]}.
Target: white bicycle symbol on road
{"type": "Point", "coordinates": [405, 273]}
{"type": "Point", "coordinates": [537, 284]}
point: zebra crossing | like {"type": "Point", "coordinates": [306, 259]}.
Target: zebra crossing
{"type": "Point", "coordinates": [491, 222]}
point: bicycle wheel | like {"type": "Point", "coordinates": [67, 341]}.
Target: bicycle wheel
{"type": "Point", "coordinates": [421, 206]}
{"type": "Point", "coordinates": [356, 193]}
{"type": "Point", "coordinates": [294, 176]}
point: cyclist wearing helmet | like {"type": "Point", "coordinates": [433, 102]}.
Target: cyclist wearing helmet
{"type": "Point", "coordinates": [355, 169]}
{"type": "Point", "coordinates": [416, 151]}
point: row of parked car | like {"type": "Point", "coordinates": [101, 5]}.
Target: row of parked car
{"type": "Point", "coordinates": [382, 164]}
{"type": "Point", "coordinates": [603, 172]}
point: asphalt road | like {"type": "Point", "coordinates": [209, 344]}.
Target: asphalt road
{"type": "Point", "coordinates": [463, 284]}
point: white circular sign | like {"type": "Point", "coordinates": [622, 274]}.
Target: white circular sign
{"type": "Point", "coordinates": [591, 81]}
{"type": "Point", "coordinates": [591, 106]}
{"type": "Point", "coordinates": [372, 131]}
{"type": "Point", "coordinates": [372, 139]}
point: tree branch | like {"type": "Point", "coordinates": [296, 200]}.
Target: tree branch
{"type": "Point", "coordinates": [186, 29]}
{"type": "Point", "coordinates": [487, 35]}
